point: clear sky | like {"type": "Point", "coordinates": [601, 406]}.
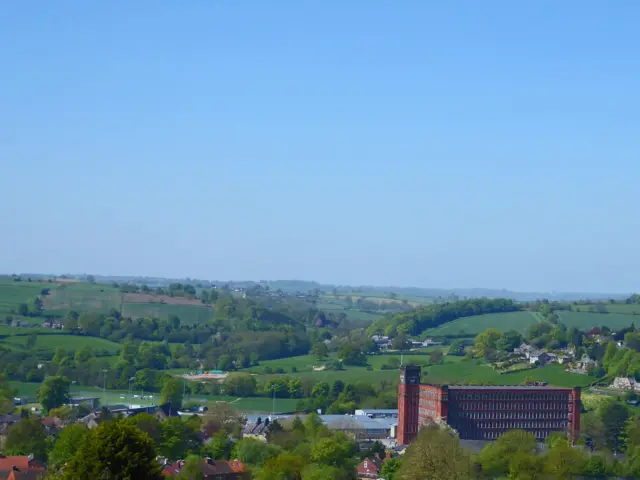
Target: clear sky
{"type": "Point", "coordinates": [435, 144]}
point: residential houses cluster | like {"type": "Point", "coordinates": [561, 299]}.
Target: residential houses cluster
{"type": "Point", "coordinates": [565, 357]}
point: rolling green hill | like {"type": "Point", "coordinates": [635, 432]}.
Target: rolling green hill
{"type": "Point", "coordinates": [69, 342]}
{"type": "Point", "coordinates": [586, 320]}
{"type": "Point", "coordinates": [471, 326]}
{"type": "Point", "coordinates": [12, 294]}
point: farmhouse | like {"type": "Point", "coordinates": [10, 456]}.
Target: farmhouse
{"type": "Point", "coordinates": [625, 383]}
{"type": "Point", "coordinates": [370, 467]}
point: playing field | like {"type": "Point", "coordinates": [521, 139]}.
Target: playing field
{"type": "Point", "coordinates": [70, 342]}
{"type": "Point", "coordinates": [586, 320]}
{"type": "Point", "coordinates": [471, 326]}
{"type": "Point", "coordinates": [84, 297]}
{"type": "Point", "coordinates": [12, 294]}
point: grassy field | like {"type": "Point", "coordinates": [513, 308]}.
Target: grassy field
{"type": "Point", "coordinates": [478, 371]}
{"type": "Point", "coordinates": [13, 293]}
{"type": "Point", "coordinates": [586, 320]}
{"type": "Point", "coordinates": [84, 297]}
{"type": "Point", "coordinates": [69, 342]}
{"type": "Point", "coordinates": [471, 326]}
{"type": "Point", "coordinates": [623, 308]}
{"type": "Point", "coordinates": [187, 313]}
{"type": "Point", "coordinates": [248, 404]}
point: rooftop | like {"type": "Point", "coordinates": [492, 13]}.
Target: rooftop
{"type": "Point", "coordinates": [507, 387]}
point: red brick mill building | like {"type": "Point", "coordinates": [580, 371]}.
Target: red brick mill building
{"type": "Point", "coordinates": [485, 412]}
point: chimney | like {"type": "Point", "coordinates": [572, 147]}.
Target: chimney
{"type": "Point", "coordinates": [208, 460]}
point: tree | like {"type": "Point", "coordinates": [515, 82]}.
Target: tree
{"type": "Point", "coordinates": [27, 437]}
{"type": "Point", "coordinates": [172, 390]}
{"type": "Point", "coordinates": [255, 452]}
{"type": "Point", "coordinates": [220, 446]}
{"type": "Point", "coordinates": [148, 424]}
{"type": "Point", "coordinates": [178, 439]}
{"type": "Point", "coordinates": [435, 455]}
{"type": "Point", "coordinates": [400, 342]}
{"type": "Point", "coordinates": [436, 357]}
{"type": "Point", "coordinates": [526, 466]}
{"type": "Point", "coordinates": [32, 340]}
{"type": "Point", "coordinates": [332, 451]}
{"type": "Point", "coordinates": [350, 354]}
{"type": "Point", "coordinates": [115, 450]}
{"type": "Point", "coordinates": [487, 341]}
{"type": "Point", "coordinates": [84, 354]}
{"type": "Point", "coordinates": [53, 392]}
{"type": "Point", "coordinates": [390, 468]}
{"type": "Point", "coordinates": [192, 469]}
{"type": "Point", "coordinates": [240, 384]}
{"type": "Point", "coordinates": [563, 461]}
{"type": "Point", "coordinates": [495, 457]}
{"type": "Point", "coordinates": [510, 339]}
{"type": "Point", "coordinates": [283, 467]}
{"type": "Point", "coordinates": [23, 310]}
{"type": "Point", "coordinates": [614, 417]}
{"type": "Point", "coordinates": [320, 350]}
{"type": "Point", "coordinates": [224, 363]}
{"type": "Point", "coordinates": [322, 472]}
{"type": "Point", "coordinates": [67, 444]}
{"type": "Point", "coordinates": [456, 348]}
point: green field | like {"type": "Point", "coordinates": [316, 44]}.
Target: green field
{"type": "Point", "coordinates": [187, 313]}
{"type": "Point", "coordinates": [248, 404]}
{"type": "Point", "coordinates": [70, 342]}
{"type": "Point", "coordinates": [13, 293]}
{"type": "Point", "coordinates": [477, 371]}
{"type": "Point", "coordinates": [586, 320]}
{"type": "Point", "coordinates": [84, 297]}
{"type": "Point", "coordinates": [471, 326]}
{"type": "Point", "coordinates": [623, 308]}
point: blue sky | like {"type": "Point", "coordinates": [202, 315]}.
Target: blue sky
{"type": "Point", "coordinates": [435, 144]}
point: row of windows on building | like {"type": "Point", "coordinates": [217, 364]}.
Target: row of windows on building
{"type": "Point", "coordinates": [511, 406]}
{"type": "Point", "coordinates": [540, 434]}
{"type": "Point", "coordinates": [530, 396]}
{"type": "Point", "coordinates": [529, 426]}
{"type": "Point", "coordinates": [509, 415]}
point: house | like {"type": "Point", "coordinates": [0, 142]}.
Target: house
{"type": "Point", "coordinates": [563, 359]}
{"type": "Point", "coordinates": [624, 383]}
{"type": "Point", "coordinates": [92, 402]}
{"type": "Point", "coordinates": [524, 350]}
{"type": "Point", "coordinates": [377, 413]}
{"type": "Point", "coordinates": [533, 355]}
{"type": "Point", "coordinates": [382, 341]}
{"type": "Point", "coordinates": [6, 421]}
{"type": "Point", "coordinates": [90, 421]}
{"type": "Point", "coordinates": [21, 467]}
{"type": "Point", "coordinates": [256, 430]}
{"type": "Point", "coordinates": [212, 469]}
{"type": "Point", "coordinates": [52, 425]}
{"type": "Point", "coordinates": [542, 357]}
{"type": "Point", "coordinates": [430, 343]}
{"type": "Point", "coordinates": [370, 467]}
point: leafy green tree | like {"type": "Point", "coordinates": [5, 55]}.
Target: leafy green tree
{"type": "Point", "coordinates": [495, 457]}
{"type": "Point", "coordinates": [320, 350]}
{"type": "Point", "coordinates": [255, 452]}
{"type": "Point", "coordinates": [614, 418]}
{"type": "Point", "coordinates": [172, 391]}
{"type": "Point", "coordinates": [83, 354]}
{"type": "Point", "coordinates": [224, 363]}
{"type": "Point", "coordinates": [148, 424]}
{"type": "Point", "coordinates": [563, 461]}
{"type": "Point", "coordinates": [333, 451]}
{"type": "Point", "coordinates": [322, 472]}
{"type": "Point", "coordinates": [436, 357]}
{"type": "Point", "coordinates": [192, 469]}
{"type": "Point", "coordinates": [321, 389]}
{"type": "Point", "coordinates": [240, 384]}
{"type": "Point", "coordinates": [283, 467]}
{"type": "Point", "coordinates": [27, 437]}
{"type": "Point", "coordinates": [178, 439]}
{"type": "Point", "coordinates": [456, 348]}
{"type": "Point", "coordinates": [436, 455]}
{"type": "Point", "coordinates": [67, 444]}
{"type": "Point", "coordinates": [487, 341]}
{"type": "Point", "coordinates": [526, 466]}
{"type": "Point", "coordinates": [32, 340]}
{"type": "Point", "coordinates": [390, 468]}
{"type": "Point", "coordinates": [295, 388]}
{"type": "Point", "coordinates": [595, 467]}
{"type": "Point", "coordinates": [220, 446]}
{"type": "Point", "coordinates": [115, 450]}
{"type": "Point", "coordinates": [23, 309]}
{"type": "Point", "coordinates": [510, 339]}
{"type": "Point", "coordinates": [350, 354]}
{"type": "Point", "coordinates": [255, 358]}
{"type": "Point", "coordinates": [53, 392]}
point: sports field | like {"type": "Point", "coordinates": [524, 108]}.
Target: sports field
{"type": "Point", "coordinates": [471, 326]}
{"type": "Point", "coordinates": [586, 320]}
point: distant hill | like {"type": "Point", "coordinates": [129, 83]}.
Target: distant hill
{"type": "Point", "coordinates": [292, 286]}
